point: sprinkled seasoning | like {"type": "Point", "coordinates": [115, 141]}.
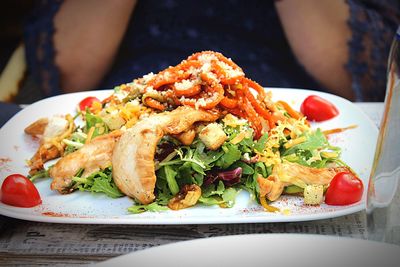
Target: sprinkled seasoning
{"type": "Point", "coordinates": [4, 164]}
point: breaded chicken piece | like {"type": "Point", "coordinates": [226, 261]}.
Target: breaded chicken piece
{"type": "Point", "coordinates": [133, 156]}
{"type": "Point", "coordinates": [288, 173]}
{"type": "Point", "coordinates": [92, 157]}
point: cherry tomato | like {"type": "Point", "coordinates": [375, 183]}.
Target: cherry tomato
{"type": "Point", "coordinates": [316, 108]}
{"type": "Point", "coordinates": [87, 102]}
{"type": "Point", "coordinates": [19, 191]}
{"type": "Point", "coordinates": [344, 189]}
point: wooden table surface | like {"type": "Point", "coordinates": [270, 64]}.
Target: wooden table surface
{"type": "Point", "coordinates": [26, 243]}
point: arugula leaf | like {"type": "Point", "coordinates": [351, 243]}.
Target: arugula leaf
{"type": "Point", "coordinates": [163, 192]}
{"type": "Point", "coordinates": [100, 127]}
{"type": "Point", "coordinates": [186, 173]}
{"type": "Point", "coordinates": [315, 140]}
{"type": "Point", "coordinates": [211, 195]}
{"type": "Point", "coordinates": [210, 201]}
{"type": "Point", "coordinates": [229, 196]}
{"type": "Point", "coordinates": [250, 183]}
{"type": "Point", "coordinates": [260, 144]}
{"type": "Point", "coordinates": [260, 168]}
{"type": "Point", "coordinates": [219, 195]}
{"type": "Point", "coordinates": [103, 185]}
{"type": "Point", "coordinates": [186, 154]}
{"type": "Point", "coordinates": [40, 174]}
{"type": "Point", "coordinates": [170, 175]}
{"type": "Point", "coordinates": [199, 178]}
{"type": "Point", "coordinates": [213, 190]}
{"type": "Point", "coordinates": [74, 142]}
{"type": "Point", "coordinates": [246, 145]}
{"type": "Point", "coordinates": [246, 168]}
{"type": "Point", "coordinates": [232, 154]}
{"type": "Point", "coordinates": [98, 182]}
{"type": "Point", "coordinates": [308, 153]}
{"type": "Point", "coordinates": [197, 168]}
{"type": "Point", "coordinates": [207, 157]}
{"type": "Point", "coordinates": [154, 207]}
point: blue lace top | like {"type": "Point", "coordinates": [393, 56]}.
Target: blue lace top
{"type": "Point", "coordinates": [162, 33]}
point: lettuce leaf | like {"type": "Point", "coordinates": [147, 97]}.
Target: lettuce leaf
{"type": "Point", "coordinates": [308, 153]}
{"type": "Point", "coordinates": [154, 207]}
{"type": "Point", "coordinates": [219, 195]}
{"type": "Point", "coordinates": [100, 127]}
{"type": "Point", "coordinates": [231, 154]}
{"type": "Point", "coordinates": [103, 185]}
{"type": "Point", "coordinates": [98, 182]}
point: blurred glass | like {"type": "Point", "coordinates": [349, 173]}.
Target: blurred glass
{"type": "Point", "coordinates": [383, 200]}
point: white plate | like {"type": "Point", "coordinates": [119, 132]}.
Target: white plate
{"type": "Point", "coordinates": [82, 207]}
{"type": "Point", "coordinates": [264, 250]}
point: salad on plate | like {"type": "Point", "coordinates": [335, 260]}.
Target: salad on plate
{"type": "Point", "coordinates": [193, 134]}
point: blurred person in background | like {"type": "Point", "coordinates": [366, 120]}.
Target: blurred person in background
{"type": "Point", "coordinates": [336, 46]}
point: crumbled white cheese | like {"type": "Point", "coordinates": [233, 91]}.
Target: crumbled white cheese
{"type": "Point", "coordinates": [206, 67]}
{"type": "Point", "coordinates": [229, 71]}
{"type": "Point", "coordinates": [148, 77]}
{"type": "Point", "coordinates": [134, 102]}
{"type": "Point", "coordinates": [201, 102]}
{"type": "Point", "coordinates": [150, 89]}
{"type": "Point", "coordinates": [121, 94]}
{"type": "Point", "coordinates": [167, 75]}
{"type": "Point", "coordinates": [184, 85]}
{"type": "Point", "coordinates": [207, 58]}
{"type": "Point", "coordinates": [56, 126]}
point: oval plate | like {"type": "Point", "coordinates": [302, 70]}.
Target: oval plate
{"type": "Point", "coordinates": [358, 146]}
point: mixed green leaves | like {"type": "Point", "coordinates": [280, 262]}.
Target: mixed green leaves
{"type": "Point", "coordinates": [100, 127]}
{"type": "Point", "coordinates": [40, 174]}
{"type": "Point", "coordinates": [238, 158]}
{"type": "Point", "coordinates": [98, 182]}
{"type": "Point", "coordinates": [195, 164]}
{"type": "Point", "coordinates": [74, 142]}
{"type": "Point", "coordinates": [78, 138]}
{"type": "Point", "coordinates": [313, 152]}
{"type": "Point", "coordinates": [219, 194]}
{"type": "Point", "coordinates": [153, 207]}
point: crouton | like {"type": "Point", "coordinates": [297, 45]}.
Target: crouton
{"type": "Point", "coordinates": [213, 136]}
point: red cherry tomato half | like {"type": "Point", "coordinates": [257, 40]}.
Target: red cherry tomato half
{"type": "Point", "coordinates": [344, 189]}
{"type": "Point", "coordinates": [316, 108]}
{"type": "Point", "coordinates": [19, 191]}
{"type": "Point", "coordinates": [87, 102]}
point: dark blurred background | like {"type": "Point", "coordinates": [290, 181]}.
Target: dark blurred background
{"type": "Point", "coordinates": [12, 16]}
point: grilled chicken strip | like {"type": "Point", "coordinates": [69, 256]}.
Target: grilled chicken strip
{"type": "Point", "coordinates": [91, 157]}
{"type": "Point", "coordinates": [288, 173]}
{"type": "Point", "coordinates": [133, 156]}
